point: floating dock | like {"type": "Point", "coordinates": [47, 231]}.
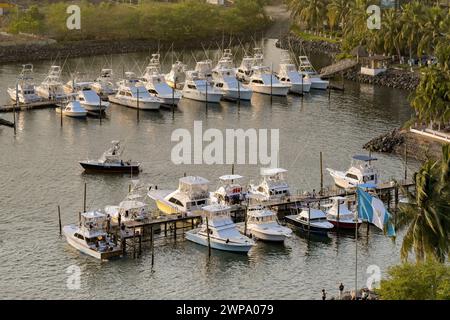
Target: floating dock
{"type": "Point", "coordinates": [27, 106]}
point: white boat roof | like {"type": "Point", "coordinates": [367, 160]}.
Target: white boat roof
{"type": "Point", "coordinates": [272, 171]}
{"type": "Point", "coordinates": [93, 215]}
{"type": "Point", "coordinates": [130, 204]}
{"type": "Point", "coordinates": [191, 180]}
{"type": "Point", "coordinates": [260, 212]}
{"type": "Point", "coordinates": [230, 177]}
{"type": "Point", "coordinates": [216, 208]}
{"type": "Point", "coordinates": [338, 198]}
{"type": "Point", "coordinates": [314, 214]}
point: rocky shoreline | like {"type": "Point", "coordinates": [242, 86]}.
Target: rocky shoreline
{"type": "Point", "coordinates": [392, 78]}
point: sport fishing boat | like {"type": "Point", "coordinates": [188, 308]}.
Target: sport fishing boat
{"type": "Point", "coordinates": [26, 90]}
{"type": "Point", "coordinates": [262, 224]}
{"type": "Point", "coordinates": [190, 197]}
{"type": "Point", "coordinates": [272, 187]}
{"type": "Point", "coordinates": [104, 85]}
{"type": "Point", "coordinates": [200, 89]}
{"type": "Point", "coordinates": [88, 98]}
{"type": "Point", "coordinates": [230, 192]}
{"type": "Point", "coordinates": [225, 79]}
{"type": "Point", "coordinates": [156, 84]}
{"type": "Point", "coordinates": [289, 75]}
{"type": "Point", "coordinates": [245, 71]}
{"type": "Point", "coordinates": [263, 81]}
{"type": "Point", "coordinates": [133, 94]}
{"type": "Point", "coordinates": [52, 87]}
{"type": "Point", "coordinates": [177, 75]}
{"type": "Point", "coordinates": [340, 215]}
{"type": "Point", "coordinates": [310, 220]}
{"type": "Point", "coordinates": [307, 69]}
{"type": "Point", "coordinates": [72, 109]}
{"type": "Point", "coordinates": [111, 162]}
{"type": "Point", "coordinates": [361, 171]}
{"type": "Point", "coordinates": [91, 237]}
{"type": "Point", "coordinates": [223, 232]}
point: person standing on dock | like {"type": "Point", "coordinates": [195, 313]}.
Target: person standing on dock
{"type": "Point", "coordinates": [324, 294]}
{"type": "Point", "coordinates": [341, 290]}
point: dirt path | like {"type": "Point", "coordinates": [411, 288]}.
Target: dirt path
{"type": "Point", "coordinates": [280, 14]}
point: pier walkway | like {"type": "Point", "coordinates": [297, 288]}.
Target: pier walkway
{"type": "Point", "coordinates": [27, 106]}
{"type": "Point", "coordinates": [337, 67]}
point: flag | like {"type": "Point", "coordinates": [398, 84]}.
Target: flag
{"type": "Point", "coordinates": [372, 209]}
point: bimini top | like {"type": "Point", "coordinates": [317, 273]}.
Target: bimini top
{"type": "Point", "coordinates": [367, 186]}
{"type": "Point", "coordinates": [272, 171]}
{"type": "Point", "coordinates": [216, 208]}
{"type": "Point", "coordinates": [193, 180]}
{"type": "Point", "coordinates": [230, 177]}
{"type": "Point", "coordinates": [361, 157]}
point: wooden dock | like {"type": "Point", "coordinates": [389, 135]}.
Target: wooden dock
{"type": "Point", "coordinates": [6, 123]}
{"type": "Point", "coordinates": [27, 106]}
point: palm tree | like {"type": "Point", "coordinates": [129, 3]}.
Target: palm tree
{"type": "Point", "coordinates": [427, 214]}
{"type": "Point", "coordinates": [391, 26]}
{"type": "Point", "coordinates": [430, 30]}
{"type": "Point", "coordinates": [340, 10]}
{"type": "Point", "coordinates": [410, 33]}
{"type": "Point", "coordinates": [312, 12]}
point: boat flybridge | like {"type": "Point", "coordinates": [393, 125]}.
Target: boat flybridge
{"type": "Point", "coordinates": [262, 79]}
{"type": "Point", "coordinates": [200, 89]}
{"type": "Point", "coordinates": [289, 75]}
{"type": "Point", "coordinates": [244, 72]}
{"type": "Point", "coordinates": [177, 75]}
{"type": "Point", "coordinates": [307, 69]}
{"type": "Point", "coordinates": [133, 94]}
{"type": "Point", "coordinates": [91, 237]}
{"type": "Point", "coordinates": [72, 109]}
{"type": "Point", "coordinates": [104, 85]}
{"type": "Point", "coordinates": [361, 171]}
{"type": "Point", "coordinates": [262, 224]}
{"type": "Point", "coordinates": [225, 79]}
{"type": "Point", "coordinates": [111, 162]}
{"type": "Point", "coordinates": [132, 208]}
{"type": "Point", "coordinates": [223, 232]}
{"type": "Point", "coordinates": [190, 197]}
{"type": "Point", "coordinates": [230, 192]}
{"type": "Point", "coordinates": [310, 220]}
{"type": "Point", "coordinates": [272, 187]}
{"type": "Point", "coordinates": [340, 215]}
{"type": "Point", "coordinates": [52, 87]}
{"type": "Point", "coordinates": [88, 98]}
{"type": "Point", "coordinates": [156, 84]}
{"type": "Point", "coordinates": [26, 89]}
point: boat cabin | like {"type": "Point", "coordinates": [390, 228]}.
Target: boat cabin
{"type": "Point", "coordinates": [230, 192]}
{"type": "Point", "coordinates": [218, 216]}
{"type": "Point", "coordinates": [260, 215]}
{"type": "Point", "coordinates": [362, 170]}
{"type": "Point", "coordinates": [92, 227]}
{"type": "Point", "coordinates": [273, 185]}
{"type": "Point", "coordinates": [192, 193]}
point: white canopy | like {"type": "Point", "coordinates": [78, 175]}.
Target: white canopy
{"type": "Point", "coordinates": [230, 177]}
{"type": "Point", "coordinates": [272, 171]}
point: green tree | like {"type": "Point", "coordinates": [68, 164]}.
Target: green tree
{"type": "Point", "coordinates": [424, 281]}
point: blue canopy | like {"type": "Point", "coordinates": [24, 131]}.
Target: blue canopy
{"type": "Point", "coordinates": [367, 186]}
{"type": "Point", "coordinates": [361, 157]}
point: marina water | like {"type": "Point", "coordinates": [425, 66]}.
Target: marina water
{"type": "Point", "coordinates": [40, 170]}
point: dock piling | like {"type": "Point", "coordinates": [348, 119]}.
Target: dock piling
{"type": "Point", "coordinates": [209, 239]}
{"type": "Point", "coordinates": [59, 219]}
{"type": "Point", "coordinates": [321, 173]}
{"type": "Point", "coordinates": [84, 197]}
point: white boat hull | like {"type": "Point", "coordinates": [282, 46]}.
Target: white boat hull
{"type": "Point", "coordinates": [213, 97]}
{"type": "Point", "coordinates": [299, 88]}
{"type": "Point", "coordinates": [275, 90]}
{"type": "Point", "coordinates": [235, 94]}
{"type": "Point", "coordinates": [132, 103]}
{"type": "Point", "coordinates": [95, 107]}
{"type": "Point", "coordinates": [319, 84]}
{"type": "Point", "coordinates": [73, 114]}
{"type": "Point", "coordinates": [340, 180]}
{"type": "Point", "coordinates": [30, 98]}
{"type": "Point", "coordinates": [193, 236]}
{"type": "Point", "coordinates": [168, 101]}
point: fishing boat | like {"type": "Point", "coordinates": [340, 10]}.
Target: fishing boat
{"type": "Point", "coordinates": [190, 197]}
{"type": "Point", "coordinates": [310, 220]}
{"type": "Point", "coordinates": [289, 75]}
{"type": "Point", "coordinates": [340, 215]}
{"type": "Point", "coordinates": [245, 71]}
{"type": "Point", "coordinates": [133, 94]}
{"type": "Point", "coordinates": [26, 90]}
{"type": "Point", "coordinates": [91, 237]}
{"type": "Point", "coordinates": [230, 192]}
{"type": "Point", "coordinates": [111, 162]}
{"type": "Point", "coordinates": [72, 109]}
{"type": "Point", "coordinates": [104, 85]}
{"type": "Point", "coordinates": [52, 87]}
{"type": "Point", "coordinates": [223, 232]}
{"type": "Point", "coordinates": [225, 79]}
{"type": "Point", "coordinates": [263, 80]}
{"type": "Point", "coordinates": [200, 89]}
{"type": "Point", "coordinates": [272, 187]}
{"type": "Point", "coordinates": [361, 171]}
{"type": "Point", "coordinates": [262, 224]}
{"type": "Point", "coordinates": [177, 75]}
{"type": "Point", "coordinates": [88, 98]}
{"type": "Point", "coordinates": [156, 84]}
{"type": "Point", "coordinates": [307, 69]}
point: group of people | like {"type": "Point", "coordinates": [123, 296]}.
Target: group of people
{"type": "Point", "coordinates": [364, 294]}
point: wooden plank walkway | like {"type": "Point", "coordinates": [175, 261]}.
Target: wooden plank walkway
{"type": "Point", "coordinates": [337, 67]}
{"type": "Point", "coordinates": [28, 106]}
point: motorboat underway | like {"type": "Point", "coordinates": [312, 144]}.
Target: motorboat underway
{"type": "Point", "coordinates": [272, 187]}
{"type": "Point", "coordinates": [307, 69]}
{"type": "Point", "coordinates": [111, 162]}
{"type": "Point", "coordinates": [52, 87]}
{"type": "Point", "coordinates": [245, 71]}
{"type": "Point", "coordinates": [229, 192]}
{"type": "Point", "coordinates": [72, 109]}
{"type": "Point", "coordinates": [26, 90]}
{"type": "Point", "coordinates": [263, 81]}
{"type": "Point", "coordinates": [132, 93]}
{"type": "Point", "coordinates": [340, 215]}
{"type": "Point", "coordinates": [177, 75]}
{"type": "Point", "coordinates": [91, 237]}
{"type": "Point", "coordinates": [190, 197]}
{"type": "Point", "coordinates": [196, 88]}
{"type": "Point", "coordinates": [104, 85]}
{"type": "Point", "coordinates": [156, 84]}
{"type": "Point", "coordinates": [289, 75]}
{"type": "Point", "coordinates": [361, 171]}
{"type": "Point", "coordinates": [262, 224]}
{"type": "Point", "coordinates": [225, 79]}
{"type": "Point", "coordinates": [310, 220]}
{"type": "Point", "coordinates": [223, 232]}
